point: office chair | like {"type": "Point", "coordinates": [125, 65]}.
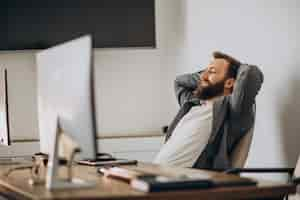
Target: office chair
{"type": "Point", "coordinates": [293, 173]}
{"type": "Point", "coordinates": [240, 153]}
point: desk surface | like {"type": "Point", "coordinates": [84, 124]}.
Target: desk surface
{"type": "Point", "coordinates": [16, 186]}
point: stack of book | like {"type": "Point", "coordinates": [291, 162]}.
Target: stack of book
{"type": "Point", "coordinates": [156, 183]}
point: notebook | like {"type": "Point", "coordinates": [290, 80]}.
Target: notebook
{"type": "Point", "coordinates": [153, 183]}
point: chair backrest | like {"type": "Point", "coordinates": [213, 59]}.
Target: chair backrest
{"type": "Point", "coordinates": [296, 174]}
{"type": "Point", "coordinates": [240, 153]}
{"type": "Point", "coordinates": [297, 168]}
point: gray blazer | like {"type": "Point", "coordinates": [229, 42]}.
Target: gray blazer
{"type": "Point", "coordinates": [233, 115]}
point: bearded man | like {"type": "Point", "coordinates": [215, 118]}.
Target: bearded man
{"type": "Point", "coordinates": [217, 108]}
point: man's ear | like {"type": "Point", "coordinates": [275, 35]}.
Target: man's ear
{"type": "Point", "coordinates": [229, 83]}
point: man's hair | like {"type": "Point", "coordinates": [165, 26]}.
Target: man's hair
{"type": "Point", "coordinates": [234, 64]}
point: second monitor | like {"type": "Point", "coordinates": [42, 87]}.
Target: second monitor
{"type": "Point", "coordinates": [65, 90]}
{"type": "Point", "coordinates": [66, 108]}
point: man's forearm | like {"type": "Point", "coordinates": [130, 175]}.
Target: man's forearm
{"type": "Point", "coordinates": [184, 86]}
{"type": "Point", "coordinates": [247, 85]}
{"type": "Point", "coordinates": [188, 81]}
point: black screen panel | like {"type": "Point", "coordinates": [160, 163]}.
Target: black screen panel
{"type": "Point", "coordinates": [39, 24]}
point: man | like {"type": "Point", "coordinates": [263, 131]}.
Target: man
{"type": "Point", "coordinates": [217, 108]}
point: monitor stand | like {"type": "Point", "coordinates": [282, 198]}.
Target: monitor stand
{"type": "Point", "coordinates": [71, 148]}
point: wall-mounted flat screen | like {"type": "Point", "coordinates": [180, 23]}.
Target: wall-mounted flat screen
{"type": "Point", "coordinates": [38, 24]}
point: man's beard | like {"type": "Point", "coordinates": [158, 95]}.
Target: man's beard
{"type": "Point", "coordinates": [209, 91]}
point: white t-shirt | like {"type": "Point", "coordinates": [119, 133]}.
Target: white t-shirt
{"type": "Point", "coordinates": [188, 139]}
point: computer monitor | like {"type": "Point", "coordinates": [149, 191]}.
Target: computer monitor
{"type": "Point", "coordinates": [65, 87]}
{"type": "Point", "coordinates": [66, 105]}
{"type": "Point", "coordinates": [4, 119]}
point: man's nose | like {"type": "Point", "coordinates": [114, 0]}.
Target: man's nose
{"type": "Point", "coordinates": [205, 76]}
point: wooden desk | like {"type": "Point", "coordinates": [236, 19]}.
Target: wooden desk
{"type": "Point", "coordinates": [16, 186]}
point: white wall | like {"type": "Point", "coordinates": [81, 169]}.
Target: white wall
{"type": "Point", "coordinates": [142, 149]}
{"type": "Point", "coordinates": [265, 33]}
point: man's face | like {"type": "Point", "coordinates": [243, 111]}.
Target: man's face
{"type": "Point", "coordinates": [213, 80]}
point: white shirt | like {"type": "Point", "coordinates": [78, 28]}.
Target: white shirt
{"type": "Point", "coordinates": [188, 139]}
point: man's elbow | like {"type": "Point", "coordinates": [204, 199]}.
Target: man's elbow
{"type": "Point", "coordinates": [256, 78]}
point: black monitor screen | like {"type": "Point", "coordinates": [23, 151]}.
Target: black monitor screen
{"type": "Point", "coordinates": [39, 24]}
